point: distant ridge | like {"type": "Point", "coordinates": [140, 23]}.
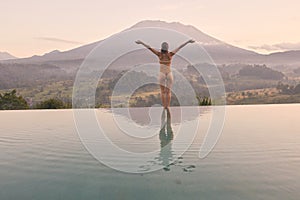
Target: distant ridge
{"type": "Point", "coordinates": [6, 56]}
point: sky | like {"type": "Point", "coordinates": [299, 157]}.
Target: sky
{"type": "Point", "coordinates": [35, 27]}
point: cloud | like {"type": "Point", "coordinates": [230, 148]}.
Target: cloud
{"type": "Point", "coordinates": [288, 46]}
{"type": "Point", "coordinates": [265, 47]}
{"type": "Point", "coordinates": [285, 46]}
{"type": "Point", "coordinates": [51, 39]}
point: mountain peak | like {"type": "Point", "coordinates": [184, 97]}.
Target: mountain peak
{"type": "Point", "coordinates": [156, 23]}
{"type": "Point", "coordinates": [6, 56]}
{"type": "Point", "coordinates": [189, 30]}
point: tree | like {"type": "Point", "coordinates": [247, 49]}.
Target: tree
{"type": "Point", "coordinates": [205, 101]}
{"type": "Point", "coordinates": [288, 89]}
{"type": "Point", "coordinates": [10, 101]}
{"type": "Point", "coordinates": [261, 72]}
{"type": "Point", "coordinates": [51, 104]}
{"type": "Point", "coordinates": [297, 89]}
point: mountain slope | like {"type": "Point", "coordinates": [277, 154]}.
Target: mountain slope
{"type": "Point", "coordinates": [220, 51]}
{"type": "Point", "coordinates": [287, 57]}
{"type": "Point", "coordinates": [6, 56]}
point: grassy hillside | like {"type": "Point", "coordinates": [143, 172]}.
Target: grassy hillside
{"type": "Point", "coordinates": [242, 84]}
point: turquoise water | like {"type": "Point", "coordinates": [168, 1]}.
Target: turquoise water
{"type": "Point", "coordinates": [256, 157]}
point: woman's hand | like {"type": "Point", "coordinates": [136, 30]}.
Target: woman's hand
{"type": "Point", "coordinates": [142, 43]}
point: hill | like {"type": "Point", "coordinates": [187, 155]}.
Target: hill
{"type": "Point", "coordinates": [6, 56]}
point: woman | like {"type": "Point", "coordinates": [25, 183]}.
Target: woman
{"type": "Point", "coordinates": [165, 77]}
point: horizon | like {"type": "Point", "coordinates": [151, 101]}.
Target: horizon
{"type": "Point", "coordinates": [35, 28]}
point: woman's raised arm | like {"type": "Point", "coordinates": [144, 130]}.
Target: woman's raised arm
{"type": "Point", "coordinates": [181, 46]}
{"type": "Point", "coordinates": [148, 47]}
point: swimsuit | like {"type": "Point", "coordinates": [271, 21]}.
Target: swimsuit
{"type": "Point", "coordinates": [165, 77]}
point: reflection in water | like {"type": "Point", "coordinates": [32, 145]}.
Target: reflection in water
{"type": "Point", "coordinates": [166, 136]}
{"type": "Point", "coordinates": [167, 157]}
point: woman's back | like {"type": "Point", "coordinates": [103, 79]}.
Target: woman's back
{"type": "Point", "coordinates": [165, 62]}
{"type": "Point", "coordinates": [165, 58]}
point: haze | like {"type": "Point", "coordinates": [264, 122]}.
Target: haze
{"type": "Point", "coordinates": [36, 27]}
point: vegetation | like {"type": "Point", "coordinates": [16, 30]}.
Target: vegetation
{"type": "Point", "coordinates": [297, 71]}
{"type": "Point", "coordinates": [52, 89]}
{"type": "Point", "coordinates": [42, 92]}
{"type": "Point", "coordinates": [150, 99]}
{"type": "Point", "coordinates": [28, 75]}
{"type": "Point", "coordinates": [261, 96]}
{"type": "Point", "coordinates": [52, 104]}
{"type": "Point", "coordinates": [261, 71]}
{"type": "Point", "coordinates": [11, 101]}
{"type": "Point", "coordinates": [204, 101]}
{"type": "Point", "coordinates": [288, 89]}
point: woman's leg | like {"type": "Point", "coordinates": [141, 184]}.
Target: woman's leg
{"type": "Point", "coordinates": [168, 88]}
{"type": "Point", "coordinates": [168, 97]}
{"type": "Point", "coordinates": [163, 95]}
{"type": "Point", "coordinates": [162, 82]}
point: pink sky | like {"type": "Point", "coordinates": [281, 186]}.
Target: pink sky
{"type": "Point", "coordinates": [37, 27]}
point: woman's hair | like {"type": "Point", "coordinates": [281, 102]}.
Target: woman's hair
{"type": "Point", "coordinates": [164, 47]}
